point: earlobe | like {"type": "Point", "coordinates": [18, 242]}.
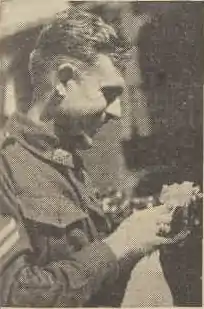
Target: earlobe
{"type": "Point", "coordinates": [65, 72]}
{"type": "Point", "coordinates": [61, 90]}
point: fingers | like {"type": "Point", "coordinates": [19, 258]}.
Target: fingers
{"type": "Point", "coordinates": [164, 229]}
{"type": "Point", "coordinates": [163, 224]}
{"type": "Point", "coordinates": [161, 210]}
{"type": "Point", "coordinates": [164, 218]}
{"type": "Point", "coordinates": [174, 240]}
{"type": "Point", "coordinates": [152, 211]}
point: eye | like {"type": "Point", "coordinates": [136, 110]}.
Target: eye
{"type": "Point", "coordinates": [111, 93]}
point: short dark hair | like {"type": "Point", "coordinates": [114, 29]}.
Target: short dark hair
{"type": "Point", "coordinates": [75, 33]}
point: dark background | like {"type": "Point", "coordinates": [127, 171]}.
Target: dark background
{"type": "Point", "coordinates": [171, 66]}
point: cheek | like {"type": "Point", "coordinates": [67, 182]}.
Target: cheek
{"type": "Point", "coordinates": [84, 106]}
{"type": "Point", "coordinates": [84, 115]}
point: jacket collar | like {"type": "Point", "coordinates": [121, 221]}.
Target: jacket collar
{"type": "Point", "coordinates": [40, 141]}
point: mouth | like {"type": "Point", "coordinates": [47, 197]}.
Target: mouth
{"type": "Point", "coordinates": [107, 119]}
{"type": "Point", "coordinates": [83, 141]}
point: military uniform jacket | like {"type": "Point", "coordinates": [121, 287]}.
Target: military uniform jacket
{"type": "Point", "coordinates": [51, 224]}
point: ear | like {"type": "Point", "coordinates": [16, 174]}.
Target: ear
{"type": "Point", "coordinates": [65, 73]}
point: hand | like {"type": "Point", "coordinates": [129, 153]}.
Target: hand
{"type": "Point", "coordinates": [138, 235]}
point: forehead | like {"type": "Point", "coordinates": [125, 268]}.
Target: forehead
{"type": "Point", "coordinates": [104, 71]}
{"type": "Point", "coordinates": [101, 63]}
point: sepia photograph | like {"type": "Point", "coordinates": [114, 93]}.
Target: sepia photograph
{"type": "Point", "coordinates": [101, 153]}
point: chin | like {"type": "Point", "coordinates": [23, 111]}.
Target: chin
{"type": "Point", "coordinates": [83, 141]}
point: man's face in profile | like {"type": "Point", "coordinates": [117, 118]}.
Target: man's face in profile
{"type": "Point", "coordinates": [91, 96]}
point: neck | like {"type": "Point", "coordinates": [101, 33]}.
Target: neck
{"type": "Point", "coordinates": [38, 115]}
{"type": "Point", "coordinates": [73, 142]}
{"type": "Point", "coordinates": [35, 115]}
{"type": "Point", "coordinates": [35, 112]}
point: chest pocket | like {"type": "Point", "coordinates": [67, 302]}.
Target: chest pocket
{"type": "Point", "coordinates": [51, 243]}
{"type": "Point", "coordinates": [56, 226]}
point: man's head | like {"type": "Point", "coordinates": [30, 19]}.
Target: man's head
{"type": "Point", "coordinates": [73, 75]}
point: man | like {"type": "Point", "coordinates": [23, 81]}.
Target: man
{"type": "Point", "coordinates": [55, 245]}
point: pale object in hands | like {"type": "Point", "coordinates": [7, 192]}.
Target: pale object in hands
{"type": "Point", "coordinates": [179, 194]}
{"type": "Point", "coordinates": [184, 202]}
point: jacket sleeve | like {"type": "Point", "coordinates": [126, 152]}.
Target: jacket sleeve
{"type": "Point", "coordinates": [62, 283]}
{"type": "Point", "coordinates": [70, 282]}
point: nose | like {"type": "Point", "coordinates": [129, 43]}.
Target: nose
{"type": "Point", "coordinates": [111, 93]}
{"type": "Point", "coordinates": [114, 109]}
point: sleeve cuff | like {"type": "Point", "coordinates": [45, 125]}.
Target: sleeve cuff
{"type": "Point", "coordinates": [98, 260]}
